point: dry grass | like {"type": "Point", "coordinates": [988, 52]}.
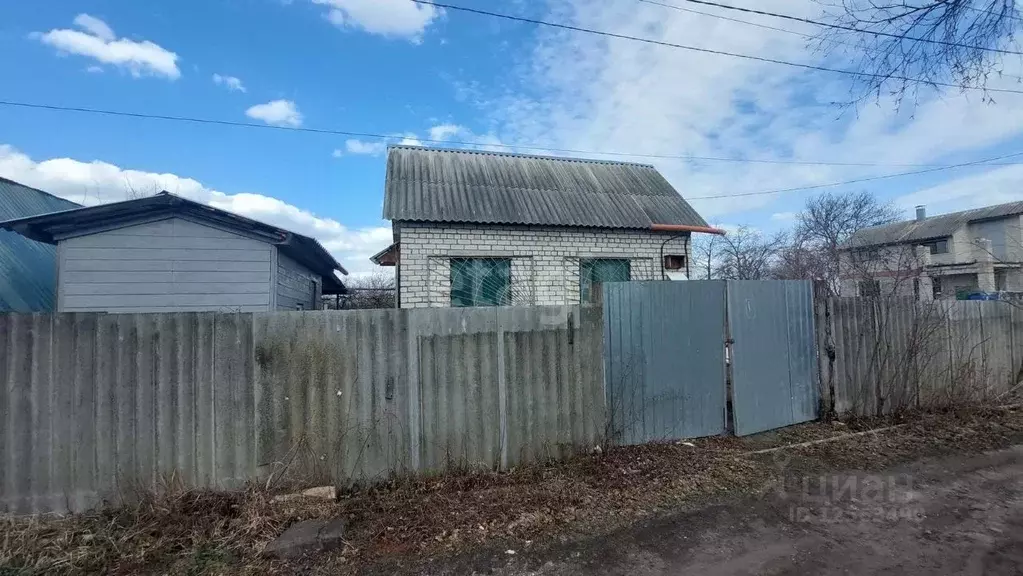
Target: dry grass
{"type": "Point", "coordinates": [179, 532]}
{"type": "Point", "coordinates": [410, 521]}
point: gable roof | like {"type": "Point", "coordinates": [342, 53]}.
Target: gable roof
{"type": "Point", "coordinates": [441, 185]}
{"type": "Point", "coordinates": [49, 228]}
{"type": "Point", "coordinates": [931, 228]}
{"type": "Point", "coordinates": [28, 269]}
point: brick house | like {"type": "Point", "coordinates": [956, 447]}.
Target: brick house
{"type": "Point", "coordinates": [498, 229]}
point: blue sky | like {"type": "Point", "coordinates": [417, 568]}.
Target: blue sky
{"type": "Point", "coordinates": [413, 72]}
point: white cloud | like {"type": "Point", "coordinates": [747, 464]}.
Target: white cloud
{"type": "Point", "coordinates": [393, 18]}
{"type": "Point", "coordinates": [376, 148]}
{"type": "Point", "coordinates": [435, 134]}
{"type": "Point", "coordinates": [232, 83]}
{"type": "Point", "coordinates": [409, 139]}
{"type": "Point", "coordinates": [444, 131]}
{"type": "Point", "coordinates": [99, 182]}
{"type": "Point", "coordinates": [354, 146]}
{"type": "Point", "coordinates": [457, 132]}
{"type": "Point", "coordinates": [996, 186]}
{"type": "Point", "coordinates": [99, 42]}
{"type": "Point", "coordinates": [586, 92]}
{"type": "Point", "coordinates": [276, 113]}
{"type": "Point", "coordinates": [337, 153]}
{"type": "Point", "coordinates": [96, 27]}
{"type": "Point", "coordinates": [94, 69]}
{"type": "Point", "coordinates": [783, 216]}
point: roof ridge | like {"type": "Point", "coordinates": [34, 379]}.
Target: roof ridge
{"type": "Point", "coordinates": [34, 189]}
{"type": "Point", "coordinates": [945, 215]}
{"type": "Point", "coordinates": [515, 155]}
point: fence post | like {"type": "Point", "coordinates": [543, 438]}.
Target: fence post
{"type": "Point", "coordinates": [729, 363]}
{"type": "Point", "coordinates": [825, 350]}
{"type": "Point", "coordinates": [414, 389]}
{"type": "Point", "coordinates": [502, 396]}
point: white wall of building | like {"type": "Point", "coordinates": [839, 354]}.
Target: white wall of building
{"type": "Point", "coordinates": [544, 261]}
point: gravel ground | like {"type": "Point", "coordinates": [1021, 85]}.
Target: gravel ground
{"type": "Point", "coordinates": [471, 519]}
{"type": "Point", "coordinates": [952, 515]}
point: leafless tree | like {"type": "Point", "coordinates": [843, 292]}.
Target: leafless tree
{"type": "Point", "coordinates": [134, 192]}
{"type": "Point", "coordinates": [367, 292]}
{"type": "Point", "coordinates": [799, 262]}
{"type": "Point", "coordinates": [825, 223]}
{"type": "Point", "coordinates": [747, 254]}
{"type": "Point", "coordinates": [705, 250]}
{"type": "Point", "coordinates": [901, 46]}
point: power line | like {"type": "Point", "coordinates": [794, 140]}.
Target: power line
{"type": "Point", "coordinates": [730, 19]}
{"type": "Point", "coordinates": [839, 26]}
{"type": "Point", "coordinates": [986, 162]}
{"type": "Point", "coordinates": [386, 137]}
{"type": "Point", "coordinates": [767, 27]}
{"type": "Point", "coordinates": [884, 77]}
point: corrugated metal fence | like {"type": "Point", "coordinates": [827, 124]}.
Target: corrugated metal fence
{"type": "Point", "coordinates": [665, 364]}
{"type": "Point", "coordinates": [890, 353]}
{"type": "Point", "coordinates": [774, 355]}
{"type": "Point", "coordinates": [665, 353]}
{"type": "Point", "coordinates": [94, 406]}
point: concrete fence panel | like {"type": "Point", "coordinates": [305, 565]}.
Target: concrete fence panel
{"type": "Point", "coordinates": [887, 354]}
{"type": "Point", "coordinates": [94, 407]}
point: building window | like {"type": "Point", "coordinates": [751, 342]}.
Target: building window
{"type": "Point", "coordinates": [936, 287]}
{"type": "Point", "coordinates": [597, 270]}
{"type": "Point", "coordinates": [674, 262]}
{"type": "Point", "coordinates": [870, 288]}
{"type": "Point", "coordinates": [480, 282]}
{"type": "Point", "coordinates": [937, 247]}
{"type": "Point", "coordinates": [865, 255]}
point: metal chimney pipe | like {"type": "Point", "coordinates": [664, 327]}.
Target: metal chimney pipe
{"type": "Point", "coordinates": [921, 213]}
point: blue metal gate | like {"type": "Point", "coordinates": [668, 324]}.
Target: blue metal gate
{"type": "Point", "coordinates": [774, 359]}
{"type": "Point", "coordinates": [664, 359]}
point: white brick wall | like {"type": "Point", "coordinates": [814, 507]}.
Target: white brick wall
{"type": "Point", "coordinates": [545, 261]}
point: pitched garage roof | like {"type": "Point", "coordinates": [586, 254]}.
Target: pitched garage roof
{"type": "Point", "coordinates": [28, 269]}
{"type": "Point", "coordinates": [440, 185]}
{"type": "Point", "coordinates": [49, 228]}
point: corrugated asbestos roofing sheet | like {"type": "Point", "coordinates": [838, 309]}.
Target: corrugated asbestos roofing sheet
{"type": "Point", "coordinates": [28, 269]}
{"type": "Point", "coordinates": [929, 228]}
{"type": "Point", "coordinates": [436, 185]}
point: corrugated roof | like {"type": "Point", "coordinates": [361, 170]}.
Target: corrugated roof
{"type": "Point", "coordinates": [306, 250]}
{"type": "Point", "coordinates": [28, 269]}
{"type": "Point", "coordinates": [439, 185]}
{"type": "Point", "coordinates": [940, 226]}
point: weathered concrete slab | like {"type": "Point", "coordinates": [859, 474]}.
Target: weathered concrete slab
{"type": "Point", "coordinates": [307, 536]}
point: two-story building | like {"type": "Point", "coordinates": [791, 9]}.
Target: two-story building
{"type": "Point", "coordinates": [476, 228]}
{"type": "Point", "coordinates": [977, 250]}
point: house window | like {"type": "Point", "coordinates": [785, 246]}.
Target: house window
{"type": "Point", "coordinates": [870, 288]}
{"type": "Point", "coordinates": [674, 262]}
{"type": "Point", "coordinates": [593, 271]}
{"type": "Point", "coordinates": [480, 282]}
{"type": "Point", "coordinates": [936, 287]}
{"type": "Point", "coordinates": [865, 255]}
{"type": "Point", "coordinates": [937, 247]}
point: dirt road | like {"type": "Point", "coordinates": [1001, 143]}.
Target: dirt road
{"type": "Point", "coordinates": [954, 516]}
